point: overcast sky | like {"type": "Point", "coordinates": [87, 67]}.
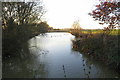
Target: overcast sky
{"type": "Point", "coordinates": [62, 13]}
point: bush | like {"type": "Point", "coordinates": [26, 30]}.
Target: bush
{"type": "Point", "coordinates": [102, 47]}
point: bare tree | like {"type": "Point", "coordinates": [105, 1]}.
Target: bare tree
{"type": "Point", "coordinates": [76, 25]}
{"type": "Point", "coordinates": [21, 12]}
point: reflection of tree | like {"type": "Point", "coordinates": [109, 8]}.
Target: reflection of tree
{"type": "Point", "coordinates": [24, 66]}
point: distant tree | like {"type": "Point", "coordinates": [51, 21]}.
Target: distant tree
{"type": "Point", "coordinates": [43, 27]}
{"type": "Point", "coordinates": [107, 13]}
{"type": "Point", "coordinates": [76, 25]}
{"type": "Point", "coordinates": [75, 28]}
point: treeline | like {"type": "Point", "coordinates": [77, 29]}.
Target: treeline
{"type": "Point", "coordinates": [20, 22]}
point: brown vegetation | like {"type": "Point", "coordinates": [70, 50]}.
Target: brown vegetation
{"type": "Point", "coordinates": [103, 47]}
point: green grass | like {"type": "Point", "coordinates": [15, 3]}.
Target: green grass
{"type": "Point", "coordinates": [112, 32]}
{"type": "Point", "coordinates": [115, 32]}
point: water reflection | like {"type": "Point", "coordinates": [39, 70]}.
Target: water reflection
{"type": "Point", "coordinates": [24, 66]}
{"type": "Point", "coordinates": [51, 56]}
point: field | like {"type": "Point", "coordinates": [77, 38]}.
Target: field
{"type": "Point", "coordinates": [95, 31]}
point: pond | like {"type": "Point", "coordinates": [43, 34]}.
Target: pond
{"type": "Point", "coordinates": [51, 55]}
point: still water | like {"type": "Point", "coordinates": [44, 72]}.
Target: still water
{"type": "Point", "coordinates": [51, 56]}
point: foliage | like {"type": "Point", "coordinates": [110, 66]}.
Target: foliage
{"type": "Point", "coordinates": [107, 13]}
{"type": "Point", "coordinates": [43, 27]}
{"type": "Point", "coordinates": [20, 23]}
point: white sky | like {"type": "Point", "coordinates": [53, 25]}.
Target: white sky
{"type": "Point", "coordinates": [62, 13]}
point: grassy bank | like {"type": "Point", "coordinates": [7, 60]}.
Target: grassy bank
{"type": "Point", "coordinates": [100, 46]}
